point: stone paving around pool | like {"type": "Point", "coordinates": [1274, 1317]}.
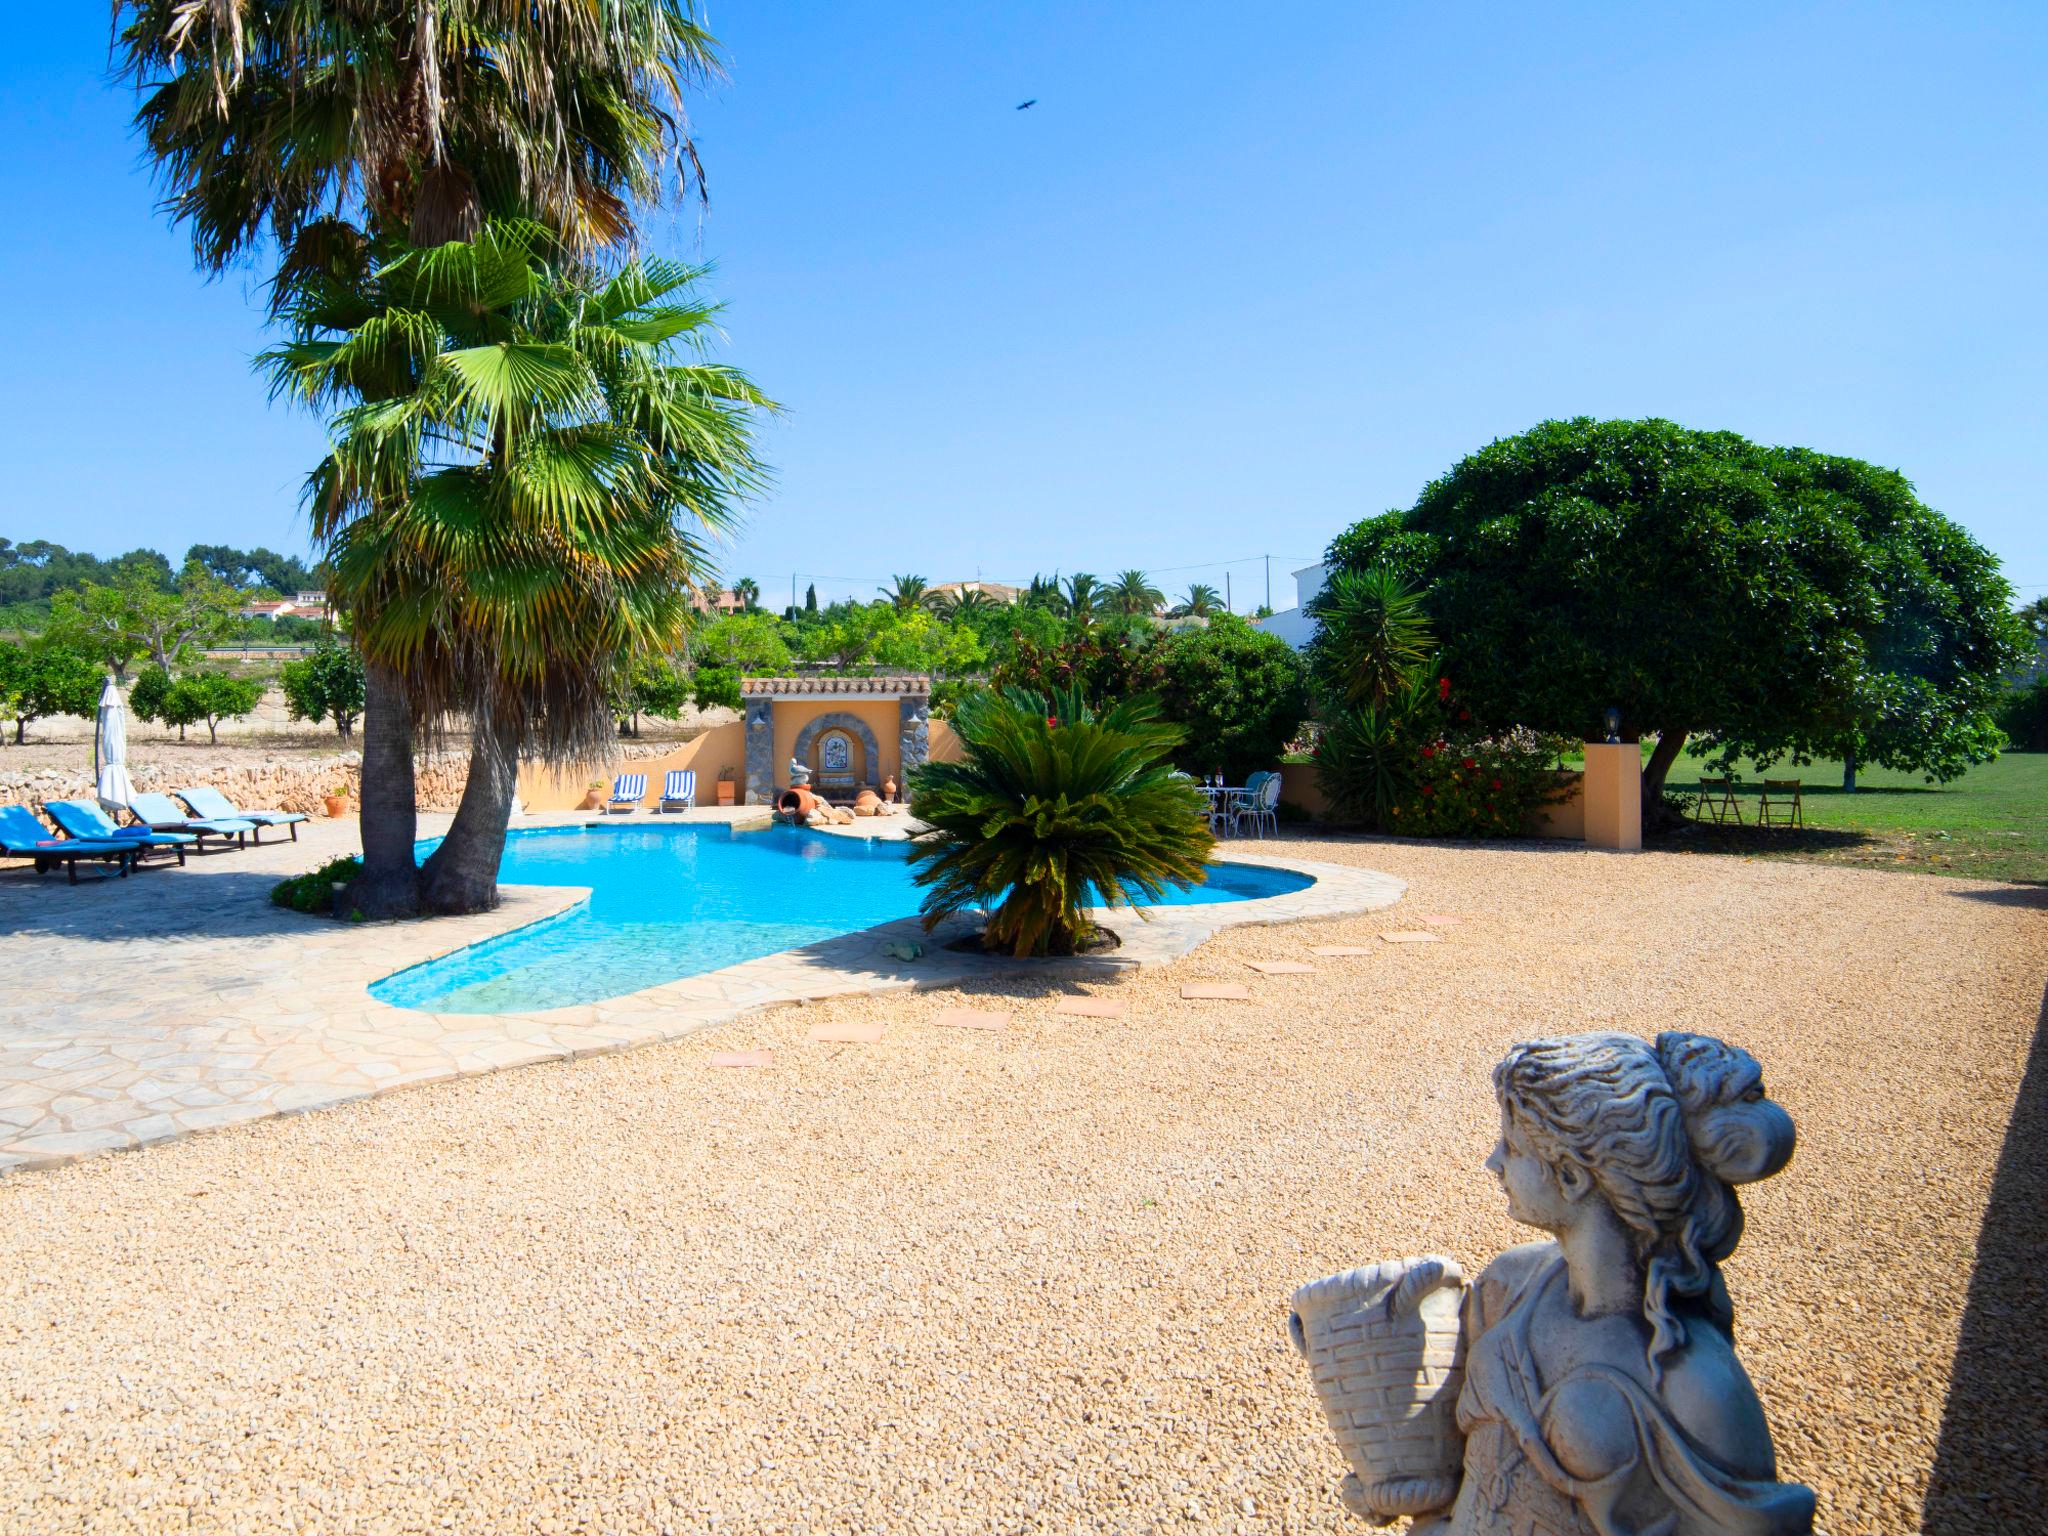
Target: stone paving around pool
{"type": "Point", "coordinates": [181, 1000]}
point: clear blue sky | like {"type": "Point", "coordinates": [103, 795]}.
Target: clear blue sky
{"type": "Point", "coordinates": [1242, 276]}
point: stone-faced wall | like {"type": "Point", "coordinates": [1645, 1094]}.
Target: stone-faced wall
{"type": "Point", "coordinates": [914, 719]}
{"type": "Point", "coordinates": [281, 786]}
{"type": "Point", "coordinates": [760, 728]}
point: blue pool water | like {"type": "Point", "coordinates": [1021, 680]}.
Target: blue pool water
{"type": "Point", "coordinates": [673, 900]}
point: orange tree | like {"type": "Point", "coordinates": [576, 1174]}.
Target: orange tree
{"type": "Point", "coordinates": [1774, 600]}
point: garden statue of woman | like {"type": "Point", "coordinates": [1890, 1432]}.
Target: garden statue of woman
{"type": "Point", "coordinates": [1595, 1386]}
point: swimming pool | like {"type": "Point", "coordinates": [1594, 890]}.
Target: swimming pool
{"type": "Point", "coordinates": [676, 899]}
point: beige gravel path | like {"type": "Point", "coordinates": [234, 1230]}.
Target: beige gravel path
{"type": "Point", "coordinates": [1035, 1278]}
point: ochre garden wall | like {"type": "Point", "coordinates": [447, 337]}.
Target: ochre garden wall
{"type": "Point", "coordinates": [723, 746]}
{"type": "Point", "coordinates": [1564, 818]}
{"type": "Point", "coordinates": [882, 716]}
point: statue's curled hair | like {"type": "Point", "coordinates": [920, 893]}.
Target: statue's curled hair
{"type": "Point", "coordinates": [1665, 1132]}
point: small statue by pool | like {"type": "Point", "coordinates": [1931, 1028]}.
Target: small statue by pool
{"type": "Point", "coordinates": [1588, 1385]}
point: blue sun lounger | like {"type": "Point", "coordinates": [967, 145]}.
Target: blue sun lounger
{"type": "Point", "coordinates": [23, 837]}
{"type": "Point", "coordinates": [91, 824]}
{"type": "Point", "coordinates": [211, 803]}
{"type": "Point", "coordinates": [628, 789]}
{"type": "Point", "coordinates": [160, 813]}
{"type": "Point", "coordinates": [680, 789]}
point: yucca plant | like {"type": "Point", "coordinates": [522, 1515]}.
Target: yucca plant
{"type": "Point", "coordinates": [1054, 808]}
{"type": "Point", "coordinates": [1366, 761]}
{"type": "Point", "coordinates": [1373, 635]}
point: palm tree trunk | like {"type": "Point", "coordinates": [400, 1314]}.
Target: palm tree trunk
{"type": "Point", "coordinates": [389, 883]}
{"type": "Point", "coordinates": [462, 874]}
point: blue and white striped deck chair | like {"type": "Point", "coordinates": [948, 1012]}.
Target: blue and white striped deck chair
{"type": "Point", "coordinates": [628, 789]}
{"type": "Point", "coordinates": [681, 789]}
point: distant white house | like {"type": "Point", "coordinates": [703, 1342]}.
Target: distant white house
{"type": "Point", "coordinates": [1293, 624]}
{"type": "Point", "coordinates": [302, 605]}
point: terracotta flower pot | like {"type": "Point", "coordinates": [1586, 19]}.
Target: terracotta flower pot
{"type": "Point", "coordinates": [726, 790]}
{"type": "Point", "coordinates": [337, 805]}
{"type": "Point", "coordinates": [592, 800]}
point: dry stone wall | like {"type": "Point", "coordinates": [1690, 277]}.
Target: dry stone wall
{"type": "Point", "coordinates": [281, 786]}
{"type": "Point", "coordinates": [296, 784]}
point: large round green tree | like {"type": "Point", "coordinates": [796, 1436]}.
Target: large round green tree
{"type": "Point", "coordinates": [1240, 693]}
{"type": "Point", "coordinates": [1776, 600]}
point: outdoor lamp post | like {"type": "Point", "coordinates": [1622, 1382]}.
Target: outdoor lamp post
{"type": "Point", "coordinates": [1613, 724]}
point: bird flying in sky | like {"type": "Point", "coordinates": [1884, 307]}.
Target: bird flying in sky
{"type": "Point", "coordinates": [1023, 104]}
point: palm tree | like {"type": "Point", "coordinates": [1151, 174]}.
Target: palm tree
{"type": "Point", "coordinates": [277, 120]}
{"type": "Point", "coordinates": [1084, 598]}
{"type": "Point", "coordinates": [323, 126]}
{"type": "Point", "coordinates": [906, 593]}
{"type": "Point", "coordinates": [520, 478]}
{"type": "Point", "coordinates": [1134, 593]}
{"type": "Point", "coordinates": [1053, 809]}
{"type": "Point", "coordinates": [1200, 602]}
{"type": "Point", "coordinates": [1044, 592]}
{"type": "Point", "coordinates": [970, 601]}
{"type": "Point", "coordinates": [748, 591]}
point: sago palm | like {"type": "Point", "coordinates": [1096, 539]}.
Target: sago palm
{"type": "Point", "coordinates": [1052, 809]}
{"type": "Point", "coordinates": [1135, 594]}
{"type": "Point", "coordinates": [521, 477]}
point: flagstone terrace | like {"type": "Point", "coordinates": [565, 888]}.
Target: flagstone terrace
{"type": "Point", "coordinates": [180, 1000]}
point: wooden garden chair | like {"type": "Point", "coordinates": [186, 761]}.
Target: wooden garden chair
{"type": "Point", "coordinates": [1781, 805]}
{"type": "Point", "coordinates": [1717, 799]}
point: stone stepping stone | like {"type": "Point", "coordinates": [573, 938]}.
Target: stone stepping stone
{"type": "Point", "coordinates": [1339, 949]}
{"type": "Point", "coordinates": [849, 1034]}
{"type": "Point", "coordinates": [1442, 919]}
{"type": "Point", "coordinates": [1281, 967]}
{"type": "Point", "coordinates": [741, 1059]}
{"type": "Point", "coordinates": [1090, 1008]}
{"type": "Point", "coordinates": [1216, 991]}
{"type": "Point", "coordinates": [1413, 938]}
{"type": "Point", "coordinates": [974, 1018]}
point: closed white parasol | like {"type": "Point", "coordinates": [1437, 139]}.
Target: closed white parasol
{"type": "Point", "coordinates": [110, 751]}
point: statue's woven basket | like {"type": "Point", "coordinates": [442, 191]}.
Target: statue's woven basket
{"type": "Point", "coordinates": [1384, 1347]}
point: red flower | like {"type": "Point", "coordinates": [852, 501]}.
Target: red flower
{"type": "Point", "coordinates": [1496, 783]}
{"type": "Point", "coordinates": [1429, 751]}
{"type": "Point", "coordinates": [1443, 688]}
{"type": "Point", "coordinates": [1051, 720]}
{"type": "Point", "coordinates": [1469, 763]}
{"type": "Point", "coordinates": [1429, 789]}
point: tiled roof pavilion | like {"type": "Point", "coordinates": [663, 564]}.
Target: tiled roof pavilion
{"type": "Point", "coordinates": [827, 687]}
{"type": "Point", "coordinates": [788, 716]}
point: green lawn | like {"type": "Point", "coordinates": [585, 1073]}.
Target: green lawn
{"type": "Point", "coordinates": [1991, 824]}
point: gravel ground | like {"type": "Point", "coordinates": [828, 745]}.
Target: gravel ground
{"type": "Point", "coordinates": [1034, 1279]}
